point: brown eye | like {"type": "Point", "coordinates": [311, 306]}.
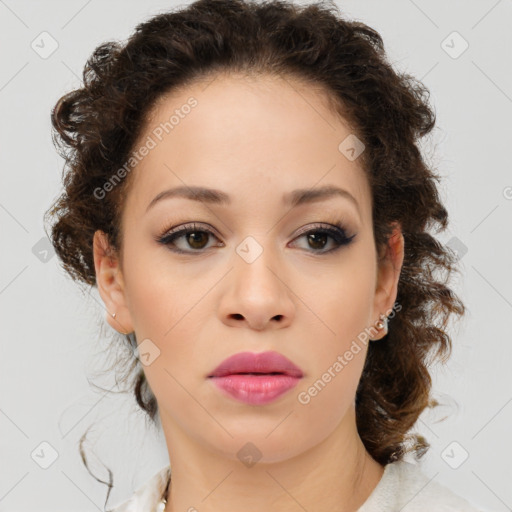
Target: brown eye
{"type": "Point", "coordinates": [318, 239]}
{"type": "Point", "coordinates": [195, 239]}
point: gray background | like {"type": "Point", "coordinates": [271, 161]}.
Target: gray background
{"type": "Point", "coordinates": [52, 344]}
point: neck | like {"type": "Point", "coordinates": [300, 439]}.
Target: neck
{"type": "Point", "coordinates": [335, 474]}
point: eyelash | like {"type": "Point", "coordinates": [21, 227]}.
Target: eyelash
{"type": "Point", "coordinates": [335, 230]}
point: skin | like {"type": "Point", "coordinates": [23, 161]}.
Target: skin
{"type": "Point", "coordinates": [256, 139]}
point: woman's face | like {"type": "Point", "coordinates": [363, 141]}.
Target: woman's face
{"type": "Point", "coordinates": [249, 277]}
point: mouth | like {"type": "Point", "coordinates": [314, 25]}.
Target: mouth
{"type": "Point", "coordinates": [262, 364]}
{"type": "Point", "coordinates": [256, 378]}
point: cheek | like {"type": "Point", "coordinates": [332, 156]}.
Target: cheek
{"type": "Point", "coordinates": [158, 295]}
{"type": "Point", "coordinates": [329, 392]}
{"type": "Point", "coordinates": [166, 309]}
{"type": "Point", "coordinates": [343, 305]}
{"type": "Point", "coordinates": [343, 299]}
{"type": "Point", "coordinates": [344, 343]}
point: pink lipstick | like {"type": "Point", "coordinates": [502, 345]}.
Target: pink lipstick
{"type": "Point", "coordinates": [256, 378]}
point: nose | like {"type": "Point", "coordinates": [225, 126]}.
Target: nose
{"type": "Point", "coordinates": [257, 295]}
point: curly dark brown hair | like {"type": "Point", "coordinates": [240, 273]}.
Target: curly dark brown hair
{"type": "Point", "coordinates": [97, 126]}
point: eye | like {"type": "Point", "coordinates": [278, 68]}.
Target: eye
{"type": "Point", "coordinates": [318, 237]}
{"type": "Point", "coordinates": [194, 236]}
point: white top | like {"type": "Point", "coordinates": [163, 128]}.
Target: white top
{"type": "Point", "coordinates": [403, 486]}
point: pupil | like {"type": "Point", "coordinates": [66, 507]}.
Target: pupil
{"type": "Point", "coordinates": [194, 236]}
{"type": "Point", "coordinates": [318, 237]}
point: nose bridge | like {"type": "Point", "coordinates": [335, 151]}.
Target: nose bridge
{"type": "Point", "coordinates": [257, 266]}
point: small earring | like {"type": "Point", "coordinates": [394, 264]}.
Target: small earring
{"type": "Point", "coordinates": [121, 332]}
{"type": "Point", "coordinates": [382, 324]}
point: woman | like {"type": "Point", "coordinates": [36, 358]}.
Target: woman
{"type": "Point", "coordinates": [245, 189]}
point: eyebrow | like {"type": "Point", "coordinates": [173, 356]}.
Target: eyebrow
{"type": "Point", "coordinates": [294, 198]}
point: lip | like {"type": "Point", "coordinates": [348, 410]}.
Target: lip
{"type": "Point", "coordinates": [256, 378]}
{"type": "Point", "coordinates": [251, 362]}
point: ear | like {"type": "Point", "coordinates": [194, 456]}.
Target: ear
{"type": "Point", "coordinates": [109, 280]}
{"type": "Point", "coordinates": [390, 266]}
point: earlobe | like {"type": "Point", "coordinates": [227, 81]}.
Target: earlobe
{"type": "Point", "coordinates": [110, 284]}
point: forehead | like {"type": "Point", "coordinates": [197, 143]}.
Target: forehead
{"type": "Point", "coordinates": [230, 131]}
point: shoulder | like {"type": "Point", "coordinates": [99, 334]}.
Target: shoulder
{"type": "Point", "coordinates": [146, 497]}
{"type": "Point", "coordinates": [405, 487]}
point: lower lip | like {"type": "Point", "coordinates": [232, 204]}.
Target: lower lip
{"type": "Point", "coordinates": [255, 389]}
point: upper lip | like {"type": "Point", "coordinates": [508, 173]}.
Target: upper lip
{"type": "Point", "coordinates": [263, 362]}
